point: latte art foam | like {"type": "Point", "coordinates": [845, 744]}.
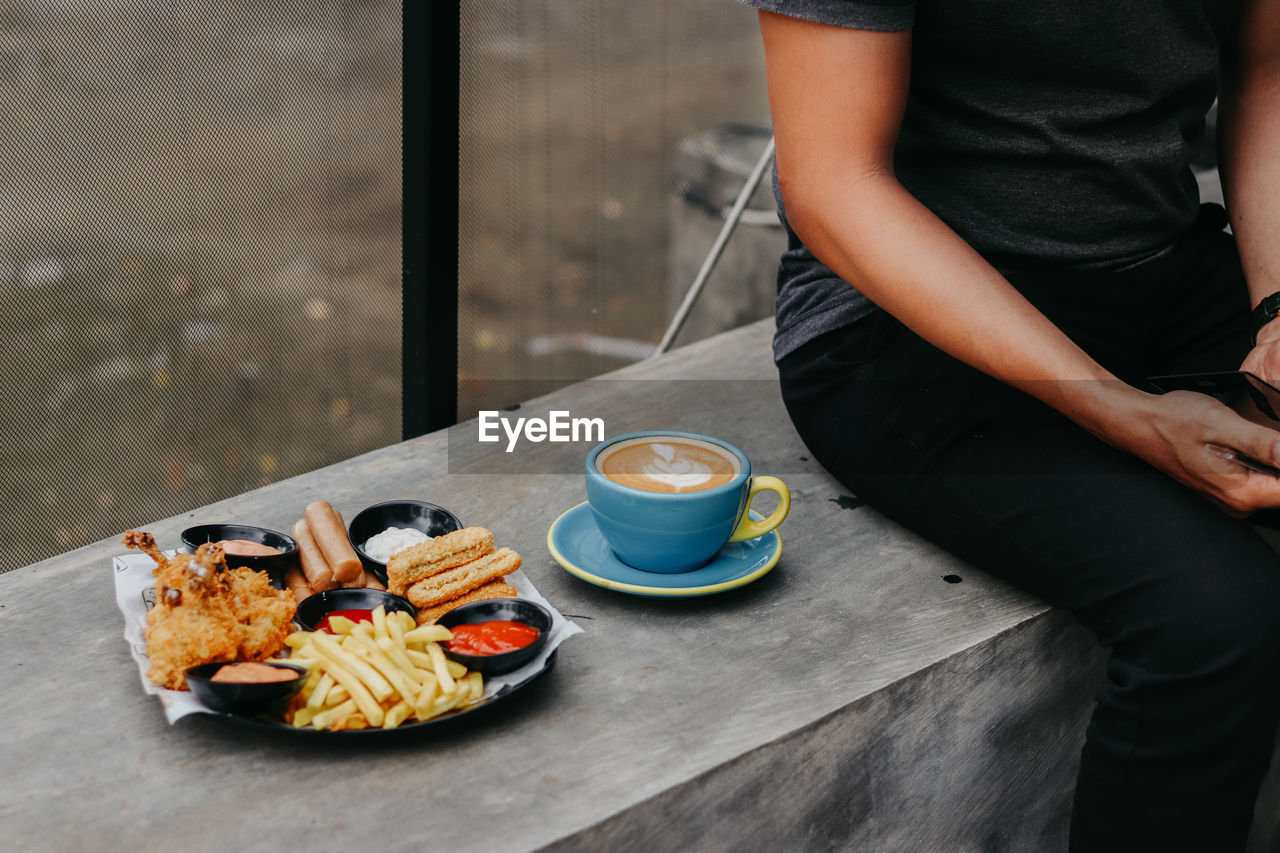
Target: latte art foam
{"type": "Point", "coordinates": [668, 465]}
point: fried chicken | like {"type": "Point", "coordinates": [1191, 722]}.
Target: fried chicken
{"type": "Point", "coordinates": [263, 611]}
{"type": "Point", "coordinates": [207, 612]}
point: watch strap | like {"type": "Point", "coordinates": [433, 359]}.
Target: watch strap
{"type": "Point", "coordinates": [1266, 311]}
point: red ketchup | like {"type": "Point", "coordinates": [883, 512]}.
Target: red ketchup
{"type": "Point", "coordinates": [491, 638]}
{"type": "Point", "coordinates": [353, 615]}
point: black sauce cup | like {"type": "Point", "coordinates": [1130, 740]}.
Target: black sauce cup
{"type": "Point", "coordinates": [417, 515]}
{"type": "Point", "coordinates": [513, 609]}
{"type": "Point", "coordinates": [312, 609]}
{"type": "Point", "coordinates": [274, 565]}
{"type": "Point", "coordinates": [244, 699]}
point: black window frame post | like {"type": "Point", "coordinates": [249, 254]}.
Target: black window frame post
{"type": "Point", "coordinates": [429, 283]}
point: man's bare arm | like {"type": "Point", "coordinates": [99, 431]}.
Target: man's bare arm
{"type": "Point", "coordinates": [1249, 154]}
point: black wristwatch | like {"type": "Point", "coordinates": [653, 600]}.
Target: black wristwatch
{"type": "Point", "coordinates": [1266, 311]}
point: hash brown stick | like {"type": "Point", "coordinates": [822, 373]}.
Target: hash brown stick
{"type": "Point", "coordinates": [296, 581]}
{"type": "Point", "coordinates": [462, 579]}
{"type": "Point", "coordinates": [319, 577]}
{"type": "Point", "coordinates": [360, 581]}
{"type": "Point", "coordinates": [330, 533]}
{"type": "Point", "coordinates": [493, 589]}
{"type": "Point", "coordinates": [430, 558]}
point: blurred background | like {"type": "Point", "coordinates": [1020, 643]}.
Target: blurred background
{"type": "Point", "coordinates": [200, 229]}
{"type": "Point", "coordinates": [600, 142]}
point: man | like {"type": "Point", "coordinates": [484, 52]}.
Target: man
{"type": "Point", "coordinates": [996, 239]}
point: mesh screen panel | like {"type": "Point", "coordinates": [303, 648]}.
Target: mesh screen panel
{"type": "Point", "coordinates": [200, 250]}
{"type": "Point", "coordinates": [571, 114]}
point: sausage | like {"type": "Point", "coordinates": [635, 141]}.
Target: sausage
{"type": "Point", "coordinates": [296, 581]}
{"type": "Point", "coordinates": [330, 534]}
{"type": "Point", "coordinates": [313, 563]}
{"type": "Point", "coordinates": [365, 580]}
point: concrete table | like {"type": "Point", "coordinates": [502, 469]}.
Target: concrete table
{"type": "Point", "coordinates": [857, 697]}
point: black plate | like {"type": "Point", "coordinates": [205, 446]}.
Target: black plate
{"type": "Point", "coordinates": [515, 609]}
{"type": "Point", "coordinates": [431, 519]}
{"type": "Point", "coordinates": [275, 565]}
{"type": "Point", "coordinates": [244, 698]}
{"type": "Point", "coordinates": [315, 607]}
{"type": "Point", "coordinates": [404, 728]}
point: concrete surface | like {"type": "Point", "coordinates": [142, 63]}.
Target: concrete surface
{"type": "Point", "coordinates": [851, 699]}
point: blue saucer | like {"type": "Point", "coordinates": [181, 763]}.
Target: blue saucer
{"type": "Point", "coordinates": [577, 545]}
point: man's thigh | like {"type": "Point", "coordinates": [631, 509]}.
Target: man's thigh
{"type": "Point", "coordinates": [1085, 527]}
{"type": "Point", "coordinates": [1000, 479]}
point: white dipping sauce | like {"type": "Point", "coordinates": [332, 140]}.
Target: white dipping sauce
{"type": "Point", "coordinates": [392, 541]}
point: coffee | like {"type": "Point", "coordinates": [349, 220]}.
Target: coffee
{"type": "Point", "coordinates": [669, 501]}
{"type": "Point", "coordinates": [673, 465]}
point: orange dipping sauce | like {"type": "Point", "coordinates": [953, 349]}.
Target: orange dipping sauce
{"type": "Point", "coordinates": [253, 673]}
{"type": "Point", "coordinates": [491, 638]}
{"type": "Point", "coordinates": [245, 548]}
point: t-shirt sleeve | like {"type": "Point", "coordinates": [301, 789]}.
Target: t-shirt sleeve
{"type": "Point", "coordinates": [878, 15]}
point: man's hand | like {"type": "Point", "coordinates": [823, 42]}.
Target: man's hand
{"type": "Point", "coordinates": [1263, 361]}
{"type": "Point", "coordinates": [1179, 432]}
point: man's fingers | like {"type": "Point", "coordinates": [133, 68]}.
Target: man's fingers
{"type": "Point", "coordinates": [1203, 441]}
{"type": "Point", "coordinates": [1245, 489]}
{"type": "Point", "coordinates": [1258, 443]}
{"type": "Point", "coordinates": [1234, 513]}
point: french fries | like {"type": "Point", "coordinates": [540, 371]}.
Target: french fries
{"type": "Point", "coordinates": [377, 674]}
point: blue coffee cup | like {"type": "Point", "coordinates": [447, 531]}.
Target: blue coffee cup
{"type": "Point", "coordinates": [670, 532]}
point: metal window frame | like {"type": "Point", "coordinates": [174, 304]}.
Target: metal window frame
{"type": "Point", "coordinates": [429, 276]}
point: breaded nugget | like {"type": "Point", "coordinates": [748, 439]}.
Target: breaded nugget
{"type": "Point", "coordinates": [453, 583]}
{"type": "Point", "coordinates": [495, 589]}
{"type": "Point", "coordinates": [437, 555]}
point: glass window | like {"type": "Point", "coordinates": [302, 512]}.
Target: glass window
{"type": "Point", "coordinates": [200, 244]}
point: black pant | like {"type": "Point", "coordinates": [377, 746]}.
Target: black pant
{"type": "Point", "coordinates": [1186, 598]}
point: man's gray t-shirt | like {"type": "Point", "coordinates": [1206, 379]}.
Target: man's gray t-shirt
{"type": "Point", "coordinates": [1047, 133]}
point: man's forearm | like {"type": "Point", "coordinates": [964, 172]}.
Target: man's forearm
{"type": "Point", "coordinates": [874, 234]}
{"type": "Point", "coordinates": [1249, 144]}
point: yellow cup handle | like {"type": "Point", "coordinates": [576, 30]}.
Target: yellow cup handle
{"type": "Point", "coordinates": [750, 529]}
